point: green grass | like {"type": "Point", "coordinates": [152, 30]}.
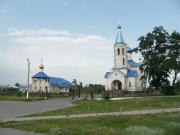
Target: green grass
{"type": "Point", "coordinates": [16, 98]}
{"type": "Point", "coordinates": [149, 124]}
{"type": "Point", "coordinates": [93, 106]}
{"type": "Point", "coordinates": [32, 96]}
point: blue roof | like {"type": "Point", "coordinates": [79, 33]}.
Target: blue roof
{"type": "Point", "coordinates": [40, 75]}
{"type": "Point", "coordinates": [107, 74]}
{"type": "Point", "coordinates": [133, 63]}
{"type": "Point", "coordinates": [129, 49]}
{"type": "Point", "coordinates": [132, 73]}
{"type": "Point", "coordinates": [59, 81]}
{"type": "Point", "coordinates": [119, 38]}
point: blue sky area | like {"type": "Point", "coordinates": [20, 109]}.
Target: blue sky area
{"type": "Point", "coordinates": [75, 38]}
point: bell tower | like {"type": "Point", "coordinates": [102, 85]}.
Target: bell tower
{"type": "Point", "coordinates": [120, 52]}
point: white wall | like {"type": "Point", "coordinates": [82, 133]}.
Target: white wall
{"type": "Point", "coordinates": [40, 85]}
{"type": "Point", "coordinates": [116, 75]}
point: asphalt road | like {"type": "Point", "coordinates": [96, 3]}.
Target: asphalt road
{"type": "Point", "coordinates": [11, 109]}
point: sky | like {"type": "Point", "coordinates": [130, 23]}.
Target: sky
{"type": "Point", "coordinates": [74, 38]}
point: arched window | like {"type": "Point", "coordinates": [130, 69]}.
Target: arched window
{"type": "Point", "coordinates": [114, 62]}
{"type": "Point", "coordinates": [118, 51]}
{"type": "Point", "coordinates": [129, 83]}
{"type": "Point", "coordinates": [123, 61]}
{"type": "Point", "coordinates": [123, 51]}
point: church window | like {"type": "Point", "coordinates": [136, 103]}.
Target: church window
{"type": "Point", "coordinates": [118, 51]}
{"type": "Point", "coordinates": [129, 83]}
{"type": "Point", "coordinates": [114, 62]}
{"type": "Point", "coordinates": [115, 74]}
{"type": "Point", "coordinates": [123, 51]}
{"type": "Point", "coordinates": [123, 61]}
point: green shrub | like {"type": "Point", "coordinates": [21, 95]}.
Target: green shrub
{"type": "Point", "coordinates": [19, 94]}
{"type": "Point", "coordinates": [106, 95]}
{"type": "Point", "coordinates": [149, 90]}
{"type": "Point", "coordinates": [168, 90]}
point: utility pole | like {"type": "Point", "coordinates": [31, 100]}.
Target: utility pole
{"type": "Point", "coordinates": [27, 96]}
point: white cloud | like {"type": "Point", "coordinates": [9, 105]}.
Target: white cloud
{"type": "Point", "coordinates": [37, 32]}
{"type": "Point", "coordinates": [67, 55]}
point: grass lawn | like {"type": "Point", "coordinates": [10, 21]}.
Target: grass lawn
{"type": "Point", "coordinates": [93, 106]}
{"type": "Point", "coordinates": [149, 124]}
{"type": "Point", "coordinates": [16, 98]}
{"type": "Point", "coordinates": [32, 97]}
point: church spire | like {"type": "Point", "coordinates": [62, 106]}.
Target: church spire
{"type": "Point", "coordinates": [119, 38]}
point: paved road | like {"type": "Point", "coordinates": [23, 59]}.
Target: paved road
{"type": "Point", "coordinates": [11, 109]}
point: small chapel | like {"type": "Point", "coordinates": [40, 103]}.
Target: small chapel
{"type": "Point", "coordinates": [41, 82]}
{"type": "Point", "coordinates": [125, 74]}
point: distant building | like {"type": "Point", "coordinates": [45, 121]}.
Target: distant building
{"type": "Point", "coordinates": [44, 83]}
{"type": "Point", "coordinates": [125, 74]}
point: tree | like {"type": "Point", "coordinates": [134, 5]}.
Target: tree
{"type": "Point", "coordinates": [153, 48]}
{"type": "Point", "coordinates": [17, 84]}
{"type": "Point", "coordinates": [161, 53]}
{"type": "Point", "coordinates": [177, 85]}
{"type": "Point", "coordinates": [174, 55]}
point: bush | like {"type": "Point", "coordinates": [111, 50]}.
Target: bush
{"type": "Point", "coordinates": [149, 90]}
{"type": "Point", "coordinates": [19, 94]}
{"type": "Point", "coordinates": [168, 90]}
{"type": "Point", "coordinates": [106, 95]}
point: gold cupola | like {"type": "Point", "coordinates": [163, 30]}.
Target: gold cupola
{"type": "Point", "coordinates": [41, 66]}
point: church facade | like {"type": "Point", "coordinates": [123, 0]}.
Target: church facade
{"type": "Point", "coordinates": [125, 74]}
{"type": "Point", "coordinates": [44, 83]}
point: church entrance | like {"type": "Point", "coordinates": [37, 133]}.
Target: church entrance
{"type": "Point", "coordinates": [116, 85]}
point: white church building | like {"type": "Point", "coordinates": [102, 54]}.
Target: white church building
{"type": "Point", "coordinates": [41, 82]}
{"type": "Point", "coordinates": [125, 75]}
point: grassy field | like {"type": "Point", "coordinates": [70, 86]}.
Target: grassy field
{"type": "Point", "coordinates": [93, 106]}
{"type": "Point", "coordinates": [149, 124]}
{"type": "Point", "coordinates": [32, 96]}
{"type": "Point", "coordinates": [16, 98]}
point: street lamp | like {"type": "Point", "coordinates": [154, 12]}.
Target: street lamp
{"type": "Point", "coordinates": [27, 96]}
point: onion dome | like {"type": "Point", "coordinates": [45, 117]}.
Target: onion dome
{"type": "Point", "coordinates": [119, 38]}
{"type": "Point", "coordinates": [41, 66]}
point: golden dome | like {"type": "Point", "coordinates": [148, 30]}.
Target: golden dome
{"type": "Point", "coordinates": [41, 66]}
